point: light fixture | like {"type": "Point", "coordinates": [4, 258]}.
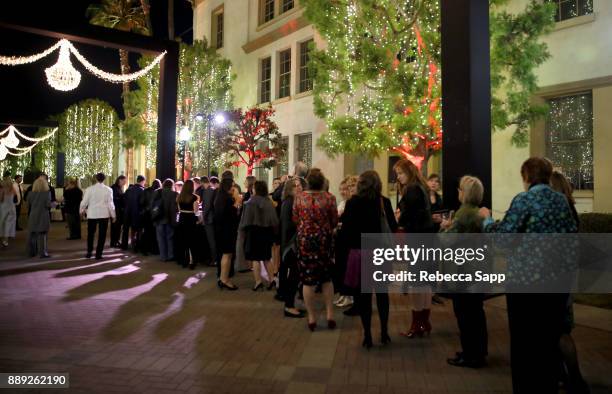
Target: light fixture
{"type": "Point", "coordinates": [11, 140]}
{"type": "Point", "coordinates": [62, 75]}
{"type": "Point", "coordinates": [219, 119]}
{"type": "Point", "coordinates": [184, 134]}
{"type": "Point", "coordinates": [199, 117]}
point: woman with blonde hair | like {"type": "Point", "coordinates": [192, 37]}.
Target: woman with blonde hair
{"type": "Point", "coordinates": [413, 215]}
{"type": "Point", "coordinates": [8, 214]}
{"type": "Point", "coordinates": [468, 307]}
{"type": "Point", "coordinates": [39, 221]}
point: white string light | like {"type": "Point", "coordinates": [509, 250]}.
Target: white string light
{"type": "Point", "coordinates": [63, 76]}
{"type": "Point", "coordinates": [110, 77]}
{"type": "Point", "coordinates": [12, 133]}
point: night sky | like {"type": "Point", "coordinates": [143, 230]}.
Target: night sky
{"type": "Point", "coordinates": [26, 94]}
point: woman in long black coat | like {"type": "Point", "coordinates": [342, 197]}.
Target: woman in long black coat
{"type": "Point", "coordinates": [226, 218]}
{"type": "Point", "coordinates": [364, 213]}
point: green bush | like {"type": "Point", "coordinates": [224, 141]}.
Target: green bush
{"type": "Point", "coordinates": [596, 222]}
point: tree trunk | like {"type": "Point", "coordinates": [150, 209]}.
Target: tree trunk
{"type": "Point", "coordinates": [171, 19]}
{"type": "Point", "coordinates": [146, 9]}
{"type": "Point", "coordinates": [125, 69]}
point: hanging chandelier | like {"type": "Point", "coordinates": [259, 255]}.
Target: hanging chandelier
{"type": "Point", "coordinates": [64, 77]}
{"type": "Point", "coordinates": [10, 138]}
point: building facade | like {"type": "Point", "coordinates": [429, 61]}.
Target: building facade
{"type": "Point", "coordinates": [267, 42]}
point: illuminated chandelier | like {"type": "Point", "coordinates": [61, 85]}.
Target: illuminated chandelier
{"type": "Point", "coordinates": [11, 141]}
{"type": "Point", "coordinates": [63, 76]}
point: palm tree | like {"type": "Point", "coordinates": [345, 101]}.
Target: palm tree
{"type": "Point", "coordinates": [124, 15]}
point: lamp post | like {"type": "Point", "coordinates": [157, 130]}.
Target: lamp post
{"type": "Point", "coordinates": [218, 119]}
{"type": "Point", "coordinates": [184, 136]}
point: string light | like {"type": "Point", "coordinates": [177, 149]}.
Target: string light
{"type": "Point", "coordinates": [63, 76]}
{"type": "Point", "coordinates": [12, 140]}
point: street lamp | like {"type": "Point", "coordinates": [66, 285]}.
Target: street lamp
{"type": "Point", "coordinates": [184, 136]}
{"type": "Point", "coordinates": [218, 119]}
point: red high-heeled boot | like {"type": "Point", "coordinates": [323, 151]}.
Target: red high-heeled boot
{"type": "Point", "coordinates": [416, 328]}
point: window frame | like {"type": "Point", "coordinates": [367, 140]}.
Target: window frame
{"type": "Point", "coordinates": [297, 156]}
{"type": "Point", "coordinates": [281, 74]}
{"type": "Point", "coordinates": [558, 3]}
{"type": "Point", "coordinates": [549, 144]}
{"type": "Point", "coordinates": [301, 67]}
{"type": "Point", "coordinates": [214, 27]}
{"type": "Point", "coordinates": [267, 81]}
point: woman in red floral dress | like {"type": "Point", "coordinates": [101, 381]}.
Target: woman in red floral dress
{"type": "Point", "coordinates": [316, 216]}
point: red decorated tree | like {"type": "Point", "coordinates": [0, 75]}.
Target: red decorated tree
{"type": "Point", "coordinates": [252, 137]}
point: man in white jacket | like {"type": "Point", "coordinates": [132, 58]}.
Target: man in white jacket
{"type": "Point", "coordinates": [98, 205]}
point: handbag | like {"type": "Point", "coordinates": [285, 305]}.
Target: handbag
{"type": "Point", "coordinates": [352, 276]}
{"type": "Point", "coordinates": [156, 208]}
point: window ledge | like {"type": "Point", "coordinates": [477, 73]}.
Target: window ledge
{"type": "Point", "coordinates": [303, 94]}
{"type": "Point", "coordinates": [579, 20]}
{"type": "Point", "coordinates": [266, 104]}
{"type": "Point", "coordinates": [278, 18]}
{"type": "Point", "coordinates": [583, 194]}
{"type": "Point", "coordinates": [281, 100]}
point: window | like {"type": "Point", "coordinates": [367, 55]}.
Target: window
{"type": "Point", "coordinates": [305, 77]}
{"type": "Point", "coordinates": [282, 165]}
{"type": "Point", "coordinates": [261, 172]}
{"type": "Point", "coordinates": [265, 80]}
{"type": "Point", "coordinates": [216, 19]}
{"type": "Point", "coordinates": [567, 9]}
{"type": "Point", "coordinates": [266, 11]}
{"type": "Point", "coordinates": [569, 138]}
{"type": "Point", "coordinates": [304, 149]}
{"type": "Point", "coordinates": [284, 73]}
{"type": "Point", "coordinates": [286, 5]}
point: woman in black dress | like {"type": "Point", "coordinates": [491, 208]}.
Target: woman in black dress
{"type": "Point", "coordinates": [413, 215]}
{"type": "Point", "coordinates": [226, 217]}
{"type": "Point", "coordinates": [259, 223]}
{"type": "Point", "coordinates": [72, 201]}
{"type": "Point", "coordinates": [364, 213]}
{"type": "Point", "coordinates": [187, 203]}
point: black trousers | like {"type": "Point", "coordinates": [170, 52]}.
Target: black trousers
{"type": "Point", "coordinates": [536, 323]}
{"type": "Point", "coordinates": [74, 224]}
{"type": "Point", "coordinates": [289, 279]}
{"type": "Point", "coordinates": [185, 238]}
{"type": "Point", "coordinates": [364, 300]}
{"type": "Point", "coordinates": [115, 233]}
{"type": "Point", "coordinates": [472, 324]}
{"type": "Point", "coordinates": [18, 215]}
{"type": "Point", "coordinates": [149, 238]}
{"type": "Point", "coordinates": [92, 225]}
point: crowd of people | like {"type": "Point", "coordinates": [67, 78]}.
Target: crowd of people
{"type": "Point", "coordinates": [298, 239]}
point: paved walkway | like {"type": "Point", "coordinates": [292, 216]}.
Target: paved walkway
{"type": "Point", "coordinates": [134, 324]}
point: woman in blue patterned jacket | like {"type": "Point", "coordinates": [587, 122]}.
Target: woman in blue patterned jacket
{"type": "Point", "coordinates": [535, 320]}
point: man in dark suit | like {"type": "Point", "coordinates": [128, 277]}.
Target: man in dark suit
{"type": "Point", "coordinates": [207, 198]}
{"type": "Point", "coordinates": [119, 201]}
{"type": "Point", "coordinates": [133, 214]}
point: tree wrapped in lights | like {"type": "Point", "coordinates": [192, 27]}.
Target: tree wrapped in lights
{"type": "Point", "coordinates": [88, 135]}
{"type": "Point", "coordinates": [253, 137]}
{"type": "Point", "coordinates": [204, 88]}
{"type": "Point", "coordinates": [377, 83]}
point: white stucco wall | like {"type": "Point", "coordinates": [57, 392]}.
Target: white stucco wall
{"type": "Point", "coordinates": [579, 52]}
{"type": "Point", "coordinates": [293, 116]}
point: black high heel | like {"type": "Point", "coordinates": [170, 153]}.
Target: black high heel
{"type": "Point", "coordinates": [220, 284]}
{"type": "Point", "coordinates": [385, 338]}
{"type": "Point", "coordinates": [228, 287]}
{"type": "Point", "coordinates": [258, 286]}
{"type": "Point", "coordinates": [272, 285]}
{"type": "Point", "coordinates": [367, 343]}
